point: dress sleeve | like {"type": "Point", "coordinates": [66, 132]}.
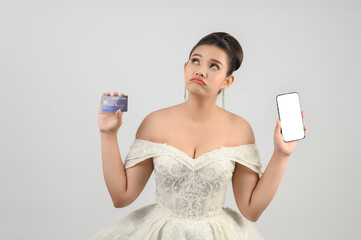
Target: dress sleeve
{"type": "Point", "coordinates": [139, 151]}
{"type": "Point", "coordinates": [248, 156]}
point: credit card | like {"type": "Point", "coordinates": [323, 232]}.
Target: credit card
{"type": "Point", "coordinates": [114, 103]}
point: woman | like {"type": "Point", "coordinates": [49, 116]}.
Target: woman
{"type": "Point", "coordinates": [195, 149]}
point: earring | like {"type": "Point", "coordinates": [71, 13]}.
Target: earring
{"type": "Point", "coordinates": [184, 93]}
{"type": "Point", "coordinates": [223, 98]}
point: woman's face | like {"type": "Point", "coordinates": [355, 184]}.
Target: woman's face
{"type": "Point", "coordinates": [209, 63]}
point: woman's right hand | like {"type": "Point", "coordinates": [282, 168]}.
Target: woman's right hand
{"type": "Point", "coordinates": [109, 122]}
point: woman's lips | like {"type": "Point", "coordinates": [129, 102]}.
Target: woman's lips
{"type": "Point", "coordinates": [198, 80]}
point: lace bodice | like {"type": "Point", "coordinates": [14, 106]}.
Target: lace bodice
{"type": "Point", "coordinates": [190, 188]}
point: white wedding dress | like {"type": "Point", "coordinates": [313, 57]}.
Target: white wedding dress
{"type": "Point", "coordinates": [190, 194]}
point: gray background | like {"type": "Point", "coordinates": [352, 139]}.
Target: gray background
{"type": "Point", "coordinates": [58, 57]}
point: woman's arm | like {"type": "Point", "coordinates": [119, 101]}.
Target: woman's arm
{"type": "Point", "coordinates": [113, 168]}
{"type": "Point", "coordinates": [268, 184]}
{"type": "Point", "coordinates": [254, 194]}
{"type": "Point", "coordinates": [124, 185]}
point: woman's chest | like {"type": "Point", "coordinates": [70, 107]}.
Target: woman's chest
{"type": "Point", "coordinates": [196, 140]}
{"type": "Point", "coordinates": [196, 144]}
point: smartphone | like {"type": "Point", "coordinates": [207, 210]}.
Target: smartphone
{"type": "Point", "coordinates": [290, 115]}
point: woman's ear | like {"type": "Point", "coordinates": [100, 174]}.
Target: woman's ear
{"type": "Point", "coordinates": [229, 80]}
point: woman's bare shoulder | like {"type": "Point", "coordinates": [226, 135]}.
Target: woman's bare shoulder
{"type": "Point", "coordinates": [241, 129]}
{"type": "Point", "coordinates": [236, 119]}
{"type": "Point", "coordinates": [151, 126]}
{"type": "Point", "coordinates": [165, 115]}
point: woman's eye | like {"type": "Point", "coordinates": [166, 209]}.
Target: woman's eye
{"type": "Point", "coordinates": [215, 66]}
{"type": "Point", "coordinates": [194, 59]}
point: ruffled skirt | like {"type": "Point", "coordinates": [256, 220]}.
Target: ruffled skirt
{"type": "Point", "coordinates": [154, 222]}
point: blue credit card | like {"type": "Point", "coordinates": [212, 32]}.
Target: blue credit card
{"type": "Point", "coordinates": [113, 103]}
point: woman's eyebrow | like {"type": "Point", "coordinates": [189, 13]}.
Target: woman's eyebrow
{"type": "Point", "coordinates": [196, 54]}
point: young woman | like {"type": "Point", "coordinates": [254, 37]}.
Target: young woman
{"type": "Point", "coordinates": [195, 149]}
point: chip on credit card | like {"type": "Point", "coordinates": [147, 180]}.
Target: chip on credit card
{"type": "Point", "coordinates": [114, 103]}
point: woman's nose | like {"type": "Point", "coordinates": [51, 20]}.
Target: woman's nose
{"type": "Point", "coordinates": [200, 73]}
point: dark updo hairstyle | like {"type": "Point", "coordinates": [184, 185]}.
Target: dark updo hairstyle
{"type": "Point", "coordinates": [227, 43]}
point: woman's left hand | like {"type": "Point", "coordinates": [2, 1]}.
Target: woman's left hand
{"type": "Point", "coordinates": [281, 147]}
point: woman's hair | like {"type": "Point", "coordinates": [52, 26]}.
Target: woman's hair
{"type": "Point", "coordinates": [229, 44]}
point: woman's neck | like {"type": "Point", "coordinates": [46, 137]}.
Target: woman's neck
{"type": "Point", "coordinates": [200, 109]}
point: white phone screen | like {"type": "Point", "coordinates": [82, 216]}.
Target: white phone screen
{"type": "Point", "coordinates": [290, 115]}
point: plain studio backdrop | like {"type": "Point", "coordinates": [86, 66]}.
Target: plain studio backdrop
{"type": "Point", "coordinates": [58, 57]}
